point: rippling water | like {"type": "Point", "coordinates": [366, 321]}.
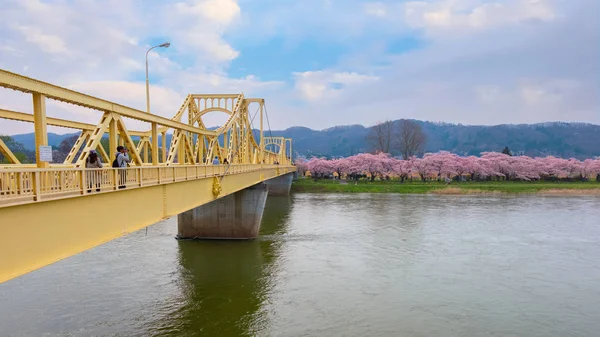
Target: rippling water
{"type": "Point", "coordinates": [336, 265]}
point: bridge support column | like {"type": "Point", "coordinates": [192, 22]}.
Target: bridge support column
{"type": "Point", "coordinates": [236, 216]}
{"type": "Point", "coordinates": [280, 185]}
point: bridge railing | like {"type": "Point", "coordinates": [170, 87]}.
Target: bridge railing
{"type": "Point", "coordinates": [25, 185]}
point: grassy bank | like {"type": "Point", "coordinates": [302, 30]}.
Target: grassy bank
{"type": "Point", "coordinates": [558, 188]}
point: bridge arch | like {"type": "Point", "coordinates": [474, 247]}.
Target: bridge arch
{"type": "Point", "coordinates": [200, 114]}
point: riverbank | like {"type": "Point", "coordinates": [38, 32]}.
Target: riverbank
{"type": "Point", "coordinates": [492, 187]}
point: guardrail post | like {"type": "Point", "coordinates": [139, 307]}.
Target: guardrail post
{"type": "Point", "coordinates": [19, 183]}
{"type": "Point", "coordinates": [37, 186]}
{"type": "Point", "coordinates": [115, 179]}
{"type": "Point", "coordinates": [82, 181]}
{"type": "Point", "coordinates": [138, 172]}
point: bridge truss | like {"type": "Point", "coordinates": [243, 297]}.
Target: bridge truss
{"type": "Point", "coordinates": [191, 143]}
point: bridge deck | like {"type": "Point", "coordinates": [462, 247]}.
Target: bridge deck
{"type": "Point", "coordinates": [50, 214]}
{"type": "Point", "coordinates": [29, 185]}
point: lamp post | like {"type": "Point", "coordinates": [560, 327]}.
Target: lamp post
{"type": "Point", "coordinates": [164, 45]}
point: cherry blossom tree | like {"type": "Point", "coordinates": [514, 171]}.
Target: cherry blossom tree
{"type": "Point", "coordinates": [319, 167]}
{"type": "Point", "coordinates": [499, 163]}
{"type": "Point", "coordinates": [591, 169]}
{"type": "Point", "coordinates": [422, 167]}
{"type": "Point", "coordinates": [446, 165]}
{"type": "Point", "coordinates": [340, 166]}
{"type": "Point", "coordinates": [403, 168]}
{"type": "Point", "coordinates": [301, 164]}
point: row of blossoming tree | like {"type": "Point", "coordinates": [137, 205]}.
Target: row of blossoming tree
{"type": "Point", "coordinates": [446, 165]}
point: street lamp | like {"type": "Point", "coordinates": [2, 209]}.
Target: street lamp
{"type": "Point", "coordinates": [164, 45]}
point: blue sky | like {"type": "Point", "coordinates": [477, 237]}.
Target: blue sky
{"type": "Point", "coordinates": [318, 63]}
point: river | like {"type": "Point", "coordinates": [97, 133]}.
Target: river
{"type": "Point", "coordinates": [335, 265]}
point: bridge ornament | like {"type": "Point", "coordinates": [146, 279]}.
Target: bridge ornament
{"type": "Point", "coordinates": [216, 187]}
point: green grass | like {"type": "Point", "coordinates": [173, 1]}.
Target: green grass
{"type": "Point", "coordinates": [334, 186]}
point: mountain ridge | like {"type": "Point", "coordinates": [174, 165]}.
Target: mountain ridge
{"type": "Point", "coordinates": [562, 139]}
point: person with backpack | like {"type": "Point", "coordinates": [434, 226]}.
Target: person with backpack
{"type": "Point", "coordinates": [93, 176]}
{"type": "Point", "coordinates": [121, 161]}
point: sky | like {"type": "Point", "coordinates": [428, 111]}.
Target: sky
{"type": "Point", "coordinates": [317, 63]}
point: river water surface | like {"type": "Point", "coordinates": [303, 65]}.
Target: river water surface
{"type": "Point", "coordinates": [335, 265]}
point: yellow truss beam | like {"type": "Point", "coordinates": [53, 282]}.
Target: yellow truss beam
{"type": "Point", "coordinates": [8, 153]}
{"type": "Point", "coordinates": [189, 150]}
{"type": "Point", "coordinates": [127, 138]}
{"type": "Point", "coordinates": [82, 139]}
{"type": "Point", "coordinates": [215, 96]}
{"type": "Point", "coordinates": [28, 118]}
{"type": "Point", "coordinates": [175, 139]}
{"type": "Point", "coordinates": [94, 140]}
{"type": "Point", "coordinates": [30, 85]}
{"type": "Point", "coordinates": [239, 145]}
{"type": "Point", "coordinates": [104, 155]}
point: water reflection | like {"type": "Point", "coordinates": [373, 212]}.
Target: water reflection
{"type": "Point", "coordinates": [276, 215]}
{"type": "Point", "coordinates": [224, 284]}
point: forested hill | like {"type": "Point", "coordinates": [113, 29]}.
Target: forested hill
{"type": "Point", "coordinates": [558, 139]}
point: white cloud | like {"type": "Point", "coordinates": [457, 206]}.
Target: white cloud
{"type": "Point", "coordinates": [316, 85]}
{"type": "Point", "coordinates": [48, 43]}
{"type": "Point", "coordinates": [439, 16]}
{"type": "Point", "coordinates": [221, 12]}
{"type": "Point", "coordinates": [201, 24]}
{"type": "Point", "coordinates": [376, 9]}
{"type": "Point", "coordinates": [488, 94]}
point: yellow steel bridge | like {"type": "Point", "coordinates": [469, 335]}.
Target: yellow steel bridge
{"type": "Point", "coordinates": [50, 211]}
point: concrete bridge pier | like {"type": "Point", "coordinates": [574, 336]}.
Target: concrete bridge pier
{"type": "Point", "coordinates": [280, 185]}
{"type": "Point", "coordinates": [235, 216]}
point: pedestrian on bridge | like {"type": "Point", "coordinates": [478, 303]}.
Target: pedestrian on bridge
{"type": "Point", "coordinates": [121, 161]}
{"type": "Point", "coordinates": [216, 161]}
{"type": "Point", "coordinates": [93, 176]}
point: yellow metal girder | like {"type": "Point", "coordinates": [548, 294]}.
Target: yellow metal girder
{"type": "Point", "coordinates": [189, 149]}
{"type": "Point", "coordinates": [94, 140]}
{"type": "Point", "coordinates": [28, 118]}
{"type": "Point", "coordinates": [8, 153]}
{"type": "Point", "coordinates": [175, 139]}
{"type": "Point", "coordinates": [140, 145]}
{"type": "Point", "coordinates": [127, 138]}
{"type": "Point", "coordinates": [104, 155]}
{"type": "Point", "coordinates": [30, 85]}
{"type": "Point", "coordinates": [199, 149]}
{"type": "Point", "coordinates": [82, 139]}
{"type": "Point", "coordinates": [59, 228]}
{"type": "Point", "coordinates": [214, 96]}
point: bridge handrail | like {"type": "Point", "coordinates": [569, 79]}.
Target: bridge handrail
{"type": "Point", "coordinates": [28, 185]}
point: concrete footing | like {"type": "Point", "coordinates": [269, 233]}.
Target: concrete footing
{"type": "Point", "coordinates": [280, 185]}
{"type": "Point", "coordinates": [236, 216]}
